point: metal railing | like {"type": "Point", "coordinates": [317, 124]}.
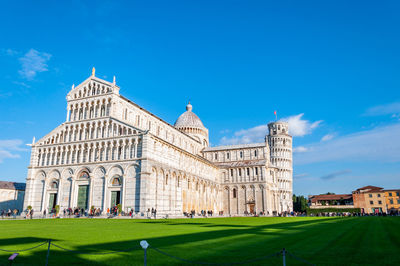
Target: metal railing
{"type": "Point", "coordinates": [145, 245]}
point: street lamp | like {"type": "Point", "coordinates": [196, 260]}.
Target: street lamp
{"type": "Point", "coordinates": [144, 245]}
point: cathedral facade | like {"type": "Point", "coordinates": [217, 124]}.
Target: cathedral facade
{"type": "Point", "coordinates": [111, 151]}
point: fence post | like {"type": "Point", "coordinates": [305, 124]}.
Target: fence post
{"type": "Point", "coordinates": [144, 245]}
{"type": "Point", "coordinates": [48, 253]}
{"type": "Point", "coordinates": [284, 256]}
{"type": "Point", "coordinates": [145, 257]}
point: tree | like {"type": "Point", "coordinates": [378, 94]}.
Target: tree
{"type": "Point", "coordinates": [299, 203]}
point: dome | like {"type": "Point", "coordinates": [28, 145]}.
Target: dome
{"type": "Point", "coordinates": [188, 119]}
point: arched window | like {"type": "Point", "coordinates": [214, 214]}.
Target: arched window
{"type": "Point", "coordinates": [116, 182]}
{"type": "Point", "coordinates": [54, 185]}
{"type": "Point", "coordinates": [234, 192]}
{"type": "Point", "coordinates": [84, 175]}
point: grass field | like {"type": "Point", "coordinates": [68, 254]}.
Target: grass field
{"type": "Point", "coordinates": [322, 241]}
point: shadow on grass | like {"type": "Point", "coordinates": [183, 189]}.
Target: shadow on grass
{"type": "Point", "coordinates": [228, 243]}
{"type": "Point", "coordinates": [60, 257]}
{"type": "Point", "coordinates": [5, 242]}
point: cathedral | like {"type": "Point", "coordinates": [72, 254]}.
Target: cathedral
{"type": "Point", "coordinates": [111, 151]}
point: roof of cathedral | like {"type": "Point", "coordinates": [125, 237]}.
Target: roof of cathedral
{"type": "Point", "coordinates": [233, 147]}
{"type": "Point", "coordinates": [189, 119]}
{"type": "Point", "coordinates": [241, 163]}
{"type": "Point", "coordinates": [12, 185]}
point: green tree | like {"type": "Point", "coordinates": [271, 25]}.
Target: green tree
{"type": "Point", "coordinates": [299, 203]}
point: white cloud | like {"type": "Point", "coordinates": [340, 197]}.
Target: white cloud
{"type": "Point", "coordinates": [301, 175]}
{"type": "Point", "coordinates": [245, 136]}
{"type": "Point", "coordinates": [297, 128]}
{"type": "Point", "coordinates": [9, 52]}
{"type": "Point", "coordinates": [327, 137]}
{"type": "Point", "coordinates": [22, 84]}
{"type": "Point", "coordinates": [224, 131]}
{"type": "Point", "coordinates": [300, 149]}
{"type": "Point", "coordinates": [385, 109]}
{"type": "Point", "coordinates": [33, 62]}
{"type": "Point", "coordinates": [9, 147]}
{"type": "Point", "coordinates": [379, 144]}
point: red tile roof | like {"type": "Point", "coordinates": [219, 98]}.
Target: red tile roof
{"type": "Point", "coordinates": [369, 188]}
{"type": "Point", "coordinates": [315, 198]}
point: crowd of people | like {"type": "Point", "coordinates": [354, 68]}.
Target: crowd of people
{"type": "Point", "coordinates": [152, 213]}
{"type": "Point", "coordinates": [353, 214]}
{"type": "Point", "coordinates": [202, 213]}
{"type": "Point", "coordinates": [9, 213]}
{"type": "Point", "coordinates": [112, 212]}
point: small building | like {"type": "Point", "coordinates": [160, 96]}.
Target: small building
{"type": "Point", "coordinates": [370, 199]}
{"type": "Point", "coordinates": [11, 195]}
{"type": "Point", "coordinates": [339, 201]}
{"type": "Point", "coordinates": [392, 197]}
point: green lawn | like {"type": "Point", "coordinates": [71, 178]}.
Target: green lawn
{"type": "Point", "coordinates": [322, 241]}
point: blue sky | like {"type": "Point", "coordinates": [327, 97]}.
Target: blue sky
{"type": "Point", "coordinates": [330, 68]}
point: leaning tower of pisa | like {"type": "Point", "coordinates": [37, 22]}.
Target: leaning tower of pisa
{"type": "Point", "coordinates": [280, 143]}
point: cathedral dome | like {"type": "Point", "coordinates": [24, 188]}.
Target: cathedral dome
{"type": "Point", "coordinates": [188, 119]}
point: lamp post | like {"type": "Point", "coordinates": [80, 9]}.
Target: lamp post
{"type": "Point", "coordinates": [144, 245]}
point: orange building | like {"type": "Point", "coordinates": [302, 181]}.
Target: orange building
{"type": "Point", "coordinates": [392, 200]}
{"type": "Point", "coordinates": [370, 200]}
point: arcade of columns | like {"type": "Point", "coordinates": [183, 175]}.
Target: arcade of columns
{"type": "Point", "coordinates": [181, 192]}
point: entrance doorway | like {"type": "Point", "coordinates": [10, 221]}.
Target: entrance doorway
{"type": "Point", "coordinates": [115, 198]}
{"type": "Point", "coordinates": [83, 192]}
{"type": "Point", "coordinates": [52, 201]}
{"type": "Point", "coordinates": [251, 207]}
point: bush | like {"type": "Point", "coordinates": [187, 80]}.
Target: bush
{"type": "Point", "coordinates": [335, 210]}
